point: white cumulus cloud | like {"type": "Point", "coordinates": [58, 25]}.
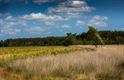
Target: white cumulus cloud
{"type": "Point", "coordinates": [35, 29]}
{"type": "Point", "coordinates": [80, 23]}
{"type": "Point", "coordinates": [40, 16]}
{"type": "Point", "coordinates": [10, 31]}
{"type": "Point", "coordinates": [98, 21]}
{"type": "Point", "coordinates": [65, 26]}
{"type": "Point", "coordinates": [71, 7]}
{"type": "Point", "coordinates": [100, 18]}
{"type": "Point", "coordinates": [8, 27]}
{"type": "Point", "coordinates": [49, 23]}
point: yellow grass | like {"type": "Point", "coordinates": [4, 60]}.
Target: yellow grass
{"type": "Point", "coordinates": [106, 63]}
{"type": "Point", "coordinates": [12, 53]}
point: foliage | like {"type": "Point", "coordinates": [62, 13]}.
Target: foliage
{"type": "Point", "coordinates": [12, 53]}
{"type": "Point", "coordinates": [70, 39]}
{"type": "Point", "coordinates": [92, 37]}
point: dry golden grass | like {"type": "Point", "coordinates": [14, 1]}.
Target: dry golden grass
{"type": "Point", "coordinates": [102, 61]}
{"type": "Point", "coordinates": [8, 54]}
{"type": "Point", "coordinates": [106, 63]}
{"type": "Point", "coordinates": [4, 75]}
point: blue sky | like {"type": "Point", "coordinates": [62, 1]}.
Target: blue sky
{"type": "Point", "coordinates": [41, 18]}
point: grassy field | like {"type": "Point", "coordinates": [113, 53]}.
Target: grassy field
{"type": "Point", "coordinates": [13, 53]}
{"type": "Point", "coordinates": [62, 63]}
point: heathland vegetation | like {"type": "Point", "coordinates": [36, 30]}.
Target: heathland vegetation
{"type": "Point", "coordinates": [85, 63]}
{"type": "Point", "coordinates": [13, 53]}
{"type": "Point", "coordinates": [71, 57]}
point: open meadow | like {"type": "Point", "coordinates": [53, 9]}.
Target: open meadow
{"type": "Point", "coordinates": [62, 63]}
{"type": "Point", "coordinates": [61, 39]}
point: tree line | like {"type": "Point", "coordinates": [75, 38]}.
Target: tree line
{"type": "Point", "coordinates": [91, 37]}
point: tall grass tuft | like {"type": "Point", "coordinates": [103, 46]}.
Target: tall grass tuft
{"type": "Point", "coordinates": [103, 64]}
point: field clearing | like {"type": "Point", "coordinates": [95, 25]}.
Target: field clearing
{"type": "Point", "coordinates": [86, 63]}
{"type": "Point", "coordinates": [13, 53]}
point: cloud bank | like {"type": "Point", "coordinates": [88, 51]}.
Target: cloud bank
{"type": "Point", "coordinates": [98, 21]}
{"type": "Point", "coordinates": [71, 8]}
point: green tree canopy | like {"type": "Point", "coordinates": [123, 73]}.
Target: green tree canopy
{"type": "Point", "coordinates": [94, 36]}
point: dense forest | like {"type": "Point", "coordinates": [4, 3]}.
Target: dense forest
{"type": "Point", "coordinates": [85, 38]}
